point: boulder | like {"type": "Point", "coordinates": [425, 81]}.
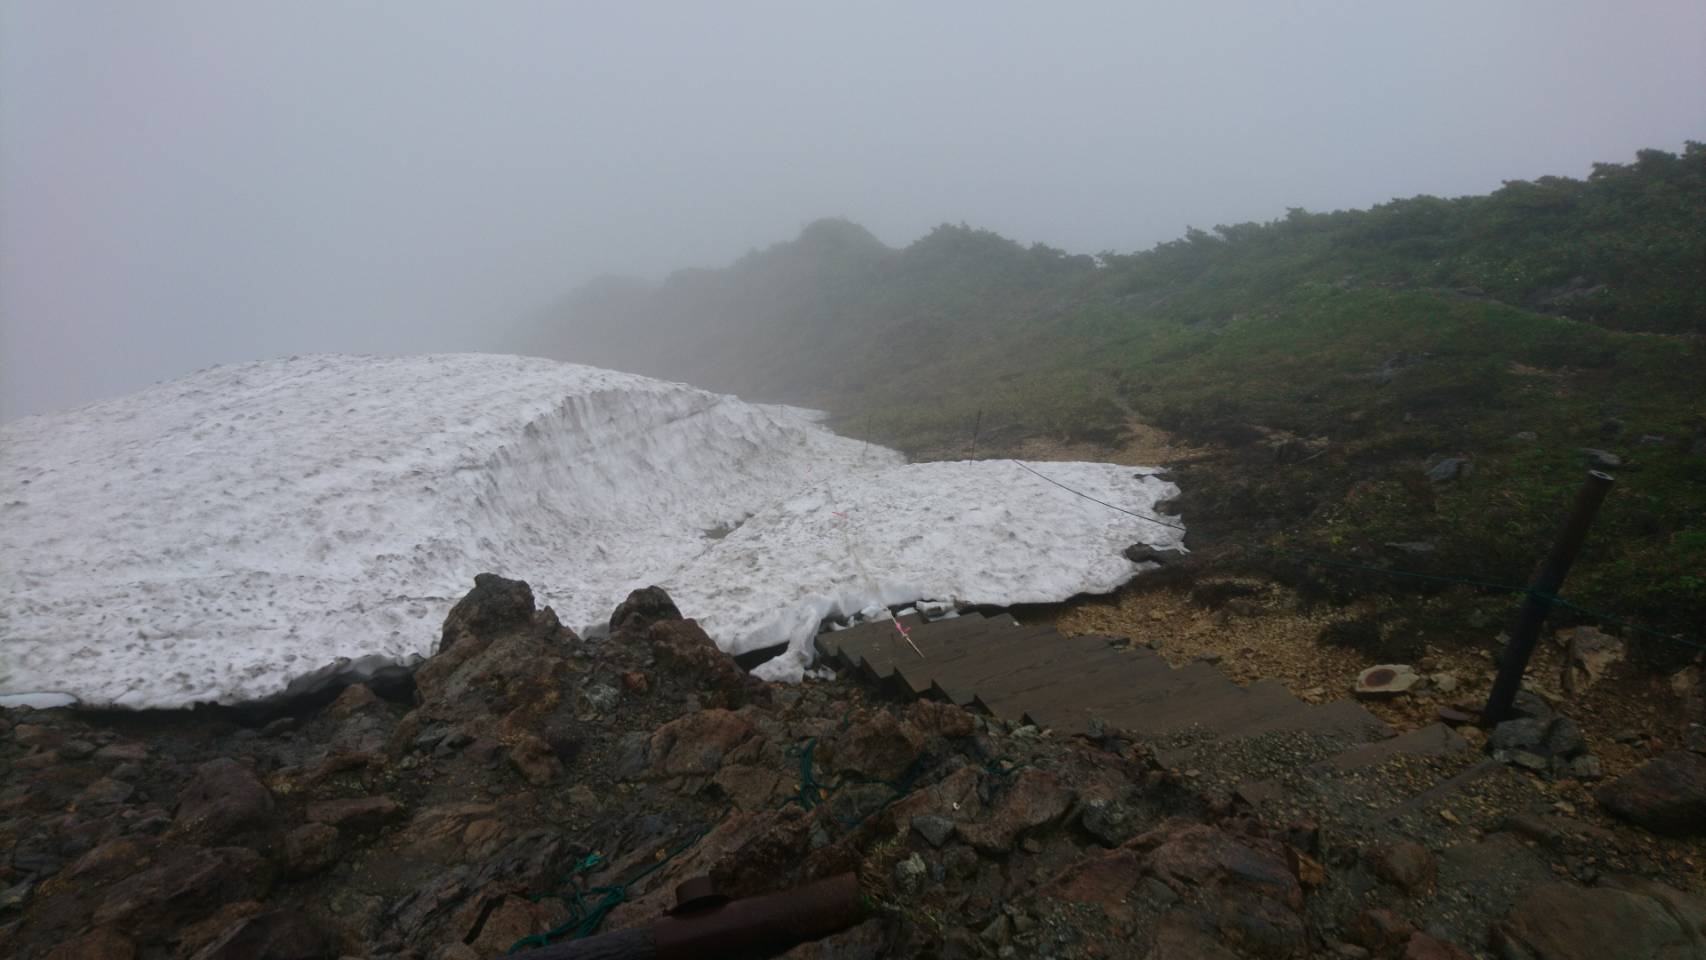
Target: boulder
{"type": "Point", "coordinates": [681, 647]}
{"type": "Point", "coordinates": [1034, 799]}
{"type": "Point", "coordinates": [223, 798]}
{"type": "Point", "coordinates": [275, 935]}
{"type": "Point", "coordinates": [644, 607]}
{"type": "Point", "coordinates": [1386, 681]}
{"type": "Point", "coordinates": [309, 849]}
{"type": "Point", "coordinates": [493, 606]}
{"type": "Point", "coordinates": [1406, 865]}
{"type": "Point", "coordinates": [1636, 920]}
{"type": "Point", "coordinates": [356, 813]}
{"type": "Point", "coordinates": [696, 744]}
{"type": "Point", "coordinates": [1245, 884]}
{"type": "Point", "coordinates": [879, 747]}
{"type": "Point", "coordinates": [1665, 795]}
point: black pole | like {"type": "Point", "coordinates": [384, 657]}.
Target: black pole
{"type": "Point", "coordinates": [1541, 590]}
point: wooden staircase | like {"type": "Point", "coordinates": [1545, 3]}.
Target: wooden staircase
{"type": "Point", "coordinates": [1034, 674]}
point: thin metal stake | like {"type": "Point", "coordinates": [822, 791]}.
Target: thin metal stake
{"type": "Point", "coordinates": [1541, 592]}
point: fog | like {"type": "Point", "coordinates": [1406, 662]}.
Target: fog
{"type": "Point", "coordinates": [183, 184]}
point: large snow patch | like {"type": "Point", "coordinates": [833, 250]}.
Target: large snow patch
{"type": "Point", "coordinates": [221, 537]}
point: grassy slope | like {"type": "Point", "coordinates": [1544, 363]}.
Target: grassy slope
{"type": "Point", "coordinates": [1420, 329]}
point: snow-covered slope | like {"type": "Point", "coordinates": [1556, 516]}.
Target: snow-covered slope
{"type": "Point", "coordinates": [221, 536]}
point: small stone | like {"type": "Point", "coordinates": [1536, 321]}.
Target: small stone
{"type": "Point", "coordinates": [934, 828]}
{"type": "Point", "coordinates": [1586, 767]}
{"type": "Point", "coordinates": [1444, 682]}
{"type": "Point", "coordinates": [1600, 458]}
{"type": "Point", "coordinates": [996, 932]}
{"type": "Point", "coordinates": [909, 874]}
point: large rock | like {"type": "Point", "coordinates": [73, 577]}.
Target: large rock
{"type": "Point", "coordinates": [493, 606]}
{"type": "Point", "coordinates": [182, 885]}
{"type": "Point", "coordinates": [1245, 885]}
{"type": "Point", "coordinates": [880, 747]}
{"type": "Point", "coordinates": [222, 799]}
{"type": "Point", "coordinates": [1034, 799]}
{"type": "Point", "coordinates": [1631, 920]}
{"type": "Point", "coordinates": [1405, 864]}
{"type": "Point", "coordinates": [355, 813]}
{"type": "Point", "coordinates": [1666, 795]}
{"type": "Point", "coordinates": [276, 935]}
{"type": "Point", "coordinates": [644, 607]}
{"type": "Point", "coordinates": [696, 743]}
{"type": "Point", "coordinates": [682, 647]}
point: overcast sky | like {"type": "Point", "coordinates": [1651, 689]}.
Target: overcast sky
{"type": "Point", "coordinates": [188, 183]}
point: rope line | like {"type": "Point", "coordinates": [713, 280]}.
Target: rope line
{"type": "Point", "coordinates": [1130, 513]}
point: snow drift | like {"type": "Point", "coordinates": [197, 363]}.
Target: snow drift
{"type": "Point", "coordinates": [252, 529]}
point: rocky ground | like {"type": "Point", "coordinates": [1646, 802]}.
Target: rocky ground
{"type": "Point", "coordinates": [529, 782]}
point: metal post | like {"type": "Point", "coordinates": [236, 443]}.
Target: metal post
{"type": "Point", "coordinates": [1545, 585]}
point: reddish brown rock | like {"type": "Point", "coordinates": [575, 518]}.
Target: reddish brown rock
{"type": "Point", "coordinates": [1666, 795]}
{"type": "Point", "coordinates": [1406, 865]}
{"type": "Point", "coordinates": [941, 719]}
{"type": "Point", "coordinates": [356, 813]}
{"type": "Point", "coordinates": [1105, 880]}
{"type": "Point", "coordinates": [1382, 931]}
{"type": "Point", "coordinates": [636, 683]}
{"type": "Point", "coordinates": [879, 747]}
{"type": "Point", "coordinates": [309, 849]}
{"type": "Point", "coordinates": [1644, 920]}
{"type": "Point", "coordinates": [274, 935]}
{"type": "Point", "coordinates": [1244, 884]}
{"type": "Point", "coordinates": [534, 759]}
{"type": "Point", "coordinates": [1423, 947]}
{"type": "Point", "coordinates": [682, 648]}
{"type": "Point", "coordinates": [1034, 799]}
{"type": "Point", "coordinates": [354, 699]}
{"type": "Point", "coordinates": [697, 743]}
{"type": "Point", "coordinates": [224, 798]}
{"type": "Point", "coordinates": [644, 607]}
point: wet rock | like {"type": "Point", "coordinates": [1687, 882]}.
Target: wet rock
{"type": "Point", "coordinates": [644, 607]}
{"type": "Point", "coordinates": [223, 798]}
{"type": "Point", "coordinates": [696, 743]}
{"type": "Point", "coordinates": [1406, 864]}
{"type": "Point", "coordinates": [275, 935]}
{"type": "Point", "coordinates": [879, 747]}
{"type": "Point", "coordinates": [1034, 799]}
{"type": "Point", "coordinates": [356, 813]}
{"type": "Point", "coordinates": [310, 848]}
{"type": "Point", "coordinates": [1386, 681]}
{"type": "Point", "coordinates": [1635, 919]}
{"type": "Point", "coordinates": [1665, 795]}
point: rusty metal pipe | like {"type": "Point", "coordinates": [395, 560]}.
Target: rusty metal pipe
{"type": "Point", "coordinates": [752, 927]}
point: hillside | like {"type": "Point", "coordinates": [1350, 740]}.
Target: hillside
{"type": "Point", "coordinates": [1322, 363]}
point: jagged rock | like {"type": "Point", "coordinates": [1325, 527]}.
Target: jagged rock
{"type": "Point", "coordinates": [1244, 884]}
{"type": "Point", "coordinates": [1105, 880]}
{"type": "Point", "coordinates": [933, 827]}
{"type": "Point", "coordinates": [1406, 864]}
{"type": "Point", "coordinates": [1554, 737]}
{"type": "Point", "coordinates": [1592, 653]}
{"type": "Point", "coordinates": [1629, 919]}
{"type": "Point", "coordinates": [222, 799]}
{"type": "Point", "coordinates": [1421, 946]}
{"type": "Point", "coordinates": [100, 944]}
{"type": "Point", "coordinates": [1451, 468]}
{"type": "Point", "coordinates": [683, 648]}
{"type": "Point", "coordinates": [182, 884]}
{"type": "Point", "coordinates": [275, 935]}
{"type": "Point", "coordinates": [534, 759]}
{"type": "Point", "coordinates": [1386, 681]}
{"type": "Point", "coordinates": [1108, 821]}
{"type": "Point", "coordinates": [909, 873]}
{"type": "Point", "coordinates": [492, 607]}
{"type": "Point", "coordinates": [696, 744]}
{"type": "Point", "coordinates": [1034, 799]}
{"type": "Point", "coordinates": [939, 719]}
{"type": "Point", "coordinates": [1382, 931]}
{"type": "Point", "coordinates": [879, 747]}
{"type": "Point", "coordinates": [1665, 795]}
{"type": "Point", "coordinates": [354, 699]}
{"type": "Point", "coordinates": [310, 848]}
{"type": "Point", "coordinates": [644, 607]}
{"type": "Point", "coordinates": [357, 813]}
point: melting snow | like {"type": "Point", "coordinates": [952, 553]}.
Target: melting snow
{"type": "Point", "coordinates": [258, 528]}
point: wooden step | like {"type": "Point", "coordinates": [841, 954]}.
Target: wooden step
{"type": "Point", "coordinates": [957, 680]}
{"type": "Point", "coordinates": [1010, 698]}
